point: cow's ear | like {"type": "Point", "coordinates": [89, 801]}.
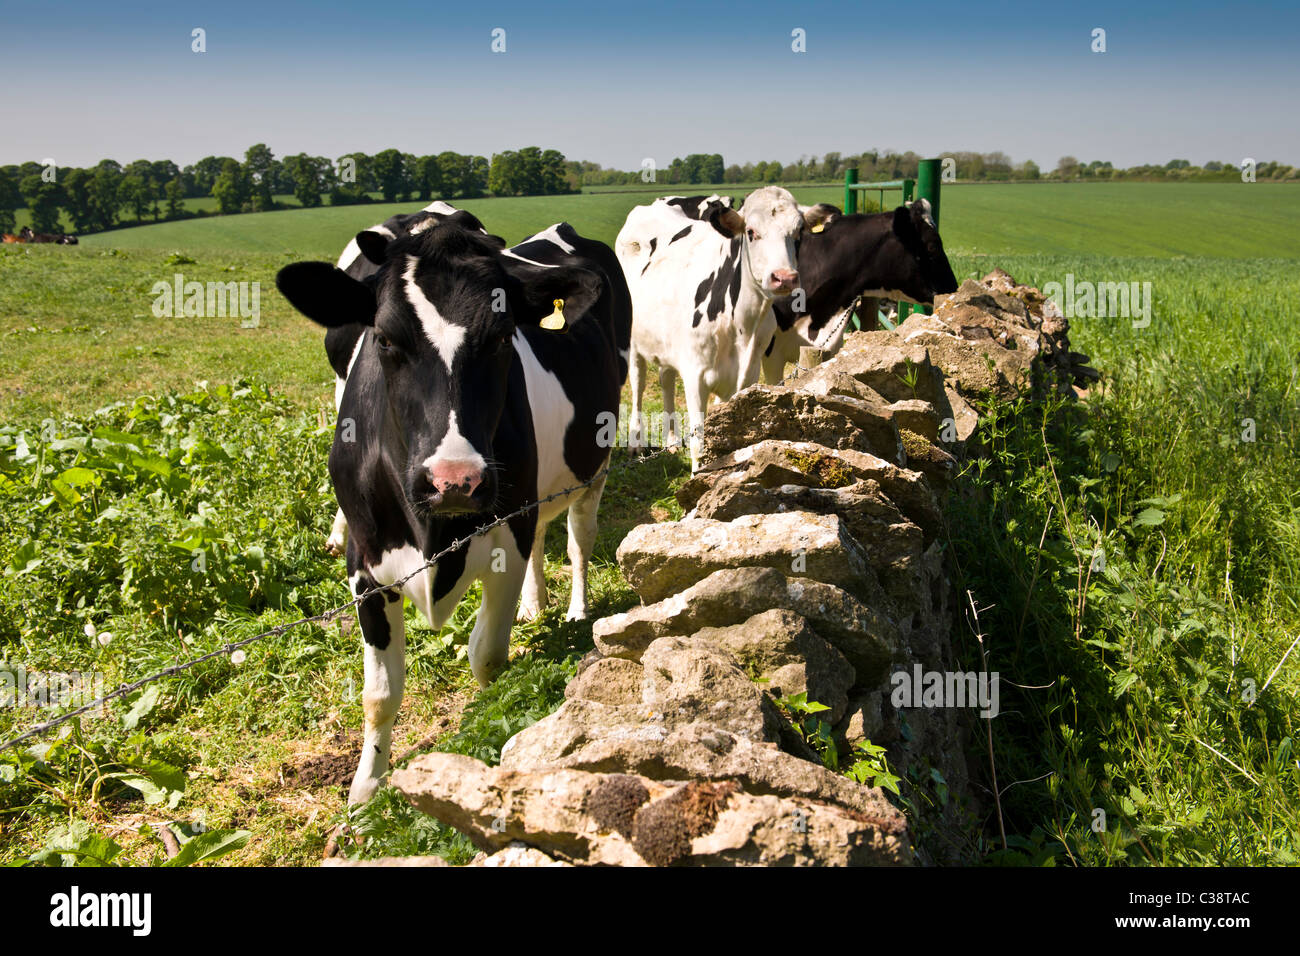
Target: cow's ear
{"type": "Point", "coordinates": [729, 222]}
{"type": "Point", "coordinates": [816, 217]}
{"type": "Point", "coordinates": [536, 290]}
{"type": "Point", "coordinates": [496, 241]}
{"type": "Point", "coordinates": [326, 295]}
{"type": "Point", "coordinates": [904, 227]}
{"type": "Point", "coordinates": [373, 245]}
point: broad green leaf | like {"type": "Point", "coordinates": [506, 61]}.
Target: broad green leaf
{"type": "Point", "coordinates": [145, 703]}
{"type": "Point", "coordinates": [209, 846]}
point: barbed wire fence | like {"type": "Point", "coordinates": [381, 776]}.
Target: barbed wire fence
{"type": "Point", "coordinates": [229, 648]}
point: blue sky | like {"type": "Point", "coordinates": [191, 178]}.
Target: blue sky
{"type": "Point", "coordinates": [618, 81]}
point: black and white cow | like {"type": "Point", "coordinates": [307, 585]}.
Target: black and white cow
{"type": "Point", "coordinates": [458, 409]}
{"type": "Point", "coordinates": [892, 255]}
{"type": "Point", "coordinates": [703, 277]}
{"type": "Point", "coordinates": [341, 342]}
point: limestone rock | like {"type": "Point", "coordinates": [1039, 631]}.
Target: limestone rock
{"type": "Point", "coordinates": [549, 816]}
{"type": "Point", "coordinates": [867, 639]}
{"type": "Point", "coordinates": [608, 681]}
{"type": "Point", "coordinates": [791, 414]}
{"type": "Point", "coordinates": [771, 464]}
{"type": "Point", "coordinates": [626, 740]}
{"type": "Point", "coordinates": [779, 649]}
{"type": "Point", "coordinates": [662, 559]}
{"type": "Point", "coordinates": [688, 680]}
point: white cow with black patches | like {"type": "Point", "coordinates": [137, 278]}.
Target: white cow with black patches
{"type": "Point", "coordinates": [703, 278]}
{"type": "Point", "coordinates": [463, 410]}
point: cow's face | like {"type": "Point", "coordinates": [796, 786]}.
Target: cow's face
{"type": "Point", "coordinates": [922, 270]}
{"type": "Point", "coordinates": [446, 356]}
{"type": "Point", "coordinates": [772, 226]}
{"type": "Point", "coordinates": [442, 318]}
{"type": "Point", "coordinates": [443, 310]}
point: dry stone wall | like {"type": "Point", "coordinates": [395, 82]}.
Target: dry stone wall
{"type": "Point", "coordinates": [810, 562]}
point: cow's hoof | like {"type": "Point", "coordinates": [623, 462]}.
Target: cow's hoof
{"type": "Point", "coordinates": [528, 612]}
{"type": "Point", "coordinates": [336, 545]}
{"type": "Point", "coordinates": [576, 614]}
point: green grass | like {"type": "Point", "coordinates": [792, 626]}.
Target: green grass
{"type": "Point", "coordinates": [1145, 658]}
{"type": "Point", "coordinates": [1125, 219]}
{"type": "Point", "coordinates": [1156, 655]}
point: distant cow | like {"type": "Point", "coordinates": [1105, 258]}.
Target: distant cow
{"type": "Point", "coordinates": [458, 409]}
{"type": "Point", "coordinates": [893, 255]}
{"type": "Point", "coordinates": [703, 277]}
{"type": "Point", "coordinates": [25, 234]}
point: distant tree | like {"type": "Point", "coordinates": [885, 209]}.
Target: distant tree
{"type": "Point", "coordinates": [205, 173]}
{"type": "Point", "coordinates": [163, 171]}
{"type": "Point", "coordinates": [311, 175]}
{"type": "Point", "coordinates": [430, 177]}
{"type": "Point", "coordinates": [1067, 167]}
{"type": "Point", "coordinates": [232, 188]}
{"type": "Point", "coordinates": [410, 184]}
{"type": "Point", "coordinates": [43, 199]}
{"type": "Point", "coordinates": [11, 197]}
{"type": "Point", "coordinates": [552, 170]}
{"type": "Point", "coordinates": [356, 178]}
{"type": "Point", "coordinates": [476, 176]}
{"type": "Point", "coordinates": [104, 201]}
{"type": "Point", "coordinates": [390, 174]}
{"type": "Point", "coordinates": [505, 175]}
{"type": "Point", "coordinates": [175, 192]}
{"type": "Point", "coordinates": [453, 169]}
{"type": "Point", "coordinates": [1028, 170]}
{"type": "Point", "coordinates": [259, 167]}
{"type": "Point", "coordinates": [135, 194]}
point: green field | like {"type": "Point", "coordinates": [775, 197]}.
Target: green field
{"type": "Point", "coordinates": [1126, 219]}
{"type": "Point", "coordinates": [1148, 660]}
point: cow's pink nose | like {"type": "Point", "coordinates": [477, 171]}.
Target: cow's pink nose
{"type": "Point", "coordinates": [784, 279]}
{"type": "Point", "coordinates": [461, 476]}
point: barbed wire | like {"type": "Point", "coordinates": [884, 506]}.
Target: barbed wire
{"type": "Point", "coordinates": [325, 616]}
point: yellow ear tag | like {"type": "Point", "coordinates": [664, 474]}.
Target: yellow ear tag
{"type": "Point", "coordinates": [555, 321]}
{"type": "Point", "coordinates": [819, 227]}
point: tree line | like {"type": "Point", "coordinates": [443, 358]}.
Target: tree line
{"type": "Point", "coordinates": [109, 194]}
{"type": "Point", "coordinates": [875, 166]}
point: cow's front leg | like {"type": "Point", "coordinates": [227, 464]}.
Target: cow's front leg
{"type": "Point", "coordinates": [697, 404]}
{"type": "Point", "coordinates": [337, 543]}
{"type": "Point", "coordinates": [489, 642]}
{"type": "Point", "coordinates": [582, 537]}
{"type": "Point", "coordinates": [533, 599]}
{"type": "Point", "coordinates": [668, 389]}
{"type": "Point", "coordinates": [774, 361]}
{"type": "Point", "coordinates": [384, 632]}
{"type": "Point", "coordinates": [636, 438]}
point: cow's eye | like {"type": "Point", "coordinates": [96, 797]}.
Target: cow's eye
{"type": "Point", "coordinates": [753, 236]}
{"type": "Point", "coordinates": [383, 341]}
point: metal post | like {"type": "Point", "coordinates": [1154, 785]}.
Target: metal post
{"type": "Point", "coordinates": [927, 185]}
{"type": "Point", "coordinates": [850, 194]}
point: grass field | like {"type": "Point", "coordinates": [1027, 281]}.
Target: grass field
{"type": "Point", "coordinates": [1123, 219]}
{"type": "Point", "coordinates": [1150, 659]}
